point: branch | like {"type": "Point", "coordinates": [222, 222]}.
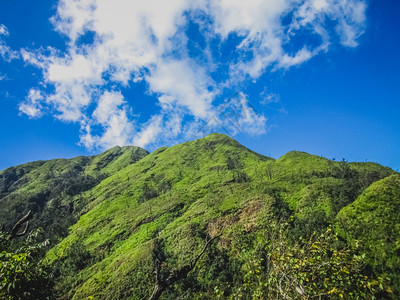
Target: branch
{"type": "Point", "coordinates": [162, 282]}
{"type": "Point", "coordinates": [157, 270]}
{"type": "Point", "coordinates": [25, 219]}
{"type": "Point", "coordinates": [194, 262]}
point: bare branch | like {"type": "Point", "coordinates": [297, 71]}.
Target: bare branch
{"type": "Point", "coordinates": [162, 282]}
{"type": "Point", "coordinates": [194, 262]}
{"type": "Point", "coordinates": [25, 219]}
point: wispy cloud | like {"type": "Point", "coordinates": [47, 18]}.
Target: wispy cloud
{"type": "Point", "coordinates": [5, 52]}
{"type": "Point", "coordinates": [32, 106]}
{"type": "Point", "coordinates": [113, 46]}
{"type": "Point", "coordinates": [111, 114]}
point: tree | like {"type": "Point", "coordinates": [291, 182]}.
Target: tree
{"type": "Point", "coordinates": [22, 276]}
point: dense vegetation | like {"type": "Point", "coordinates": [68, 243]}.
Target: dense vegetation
{"type": "Point", "coordinates": [298, 227]}
{"type": "Point", "coordinates": [49, 188]}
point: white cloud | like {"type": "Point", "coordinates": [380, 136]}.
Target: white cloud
{"type": "Point", "coordinates": [237, 115]}
{"type": "Point", "coordinates": [182, 83]}
{"type": "Point", "coordinates": [111, 114]}
{"type": "Point", "coordinates": [300, 57]}
{"type": "Point", "coordinates": [149, 132]}
{"type": "Point", "coordinates": [349, 16]}
{"type": "Point", "coordinates": [268, 97]}
{"type": "Point", "coordinates": [112, 46]}
{"type": "Point", "coordinates": [78, 69]}
{"type": "Point", "coordinates": [32, 106]}
{"type": "Point", "coordinates": [5, 52]}
{"type": "Point", "coordinates": [161, 129]}
{"type": "Point", "coordinates": [3, 30]}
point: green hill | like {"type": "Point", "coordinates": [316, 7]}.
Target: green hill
{"type": "Point", "coordinates": [373, 221]}
{"type": "Point", "coordinates": [271, 220]}
{"type": "Point", "coordinates": [47, 188]}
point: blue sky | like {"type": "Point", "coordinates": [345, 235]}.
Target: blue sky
{"type": "Point", "coordinates": [321, 76]}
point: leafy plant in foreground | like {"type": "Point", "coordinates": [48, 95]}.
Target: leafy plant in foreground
{"type": "Point", "coordinates": [22, 276]}
{"type": "Point", "coordinates": [317, 267]}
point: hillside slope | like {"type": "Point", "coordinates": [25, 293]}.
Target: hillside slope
{"type": "Point", "coordinates": [48, 187]}
{"type": "Point", "coordinates": [170, 202]}
{"type": "Point", "coordinates": [373, 220]}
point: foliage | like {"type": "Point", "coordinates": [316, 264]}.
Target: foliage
{"type": "Point", "coordinates": [373, 223]}
{"type": "Point", "coordinates": [316, 267]}
{"type": "Point", "coordinates": [22, 275]}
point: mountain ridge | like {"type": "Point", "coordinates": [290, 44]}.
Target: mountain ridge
{"type": "Point", "coordinates": [172, 199]}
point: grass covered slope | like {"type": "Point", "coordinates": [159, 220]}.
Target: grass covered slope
{"type": "Point", "coordinates": [48, 187]}
{"type": "Point", "coordinates": [373, 220]}
{"type": "Point", "coordinates": [168, 191]}
{"type": "Point", "coordinates": [172, 200]}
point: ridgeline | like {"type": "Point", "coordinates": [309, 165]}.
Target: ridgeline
{"type": "Point", "coordinates": [249, 226]}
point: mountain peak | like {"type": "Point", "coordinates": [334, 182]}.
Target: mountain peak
{"type": "Point", "coordinates": [171, 200]}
